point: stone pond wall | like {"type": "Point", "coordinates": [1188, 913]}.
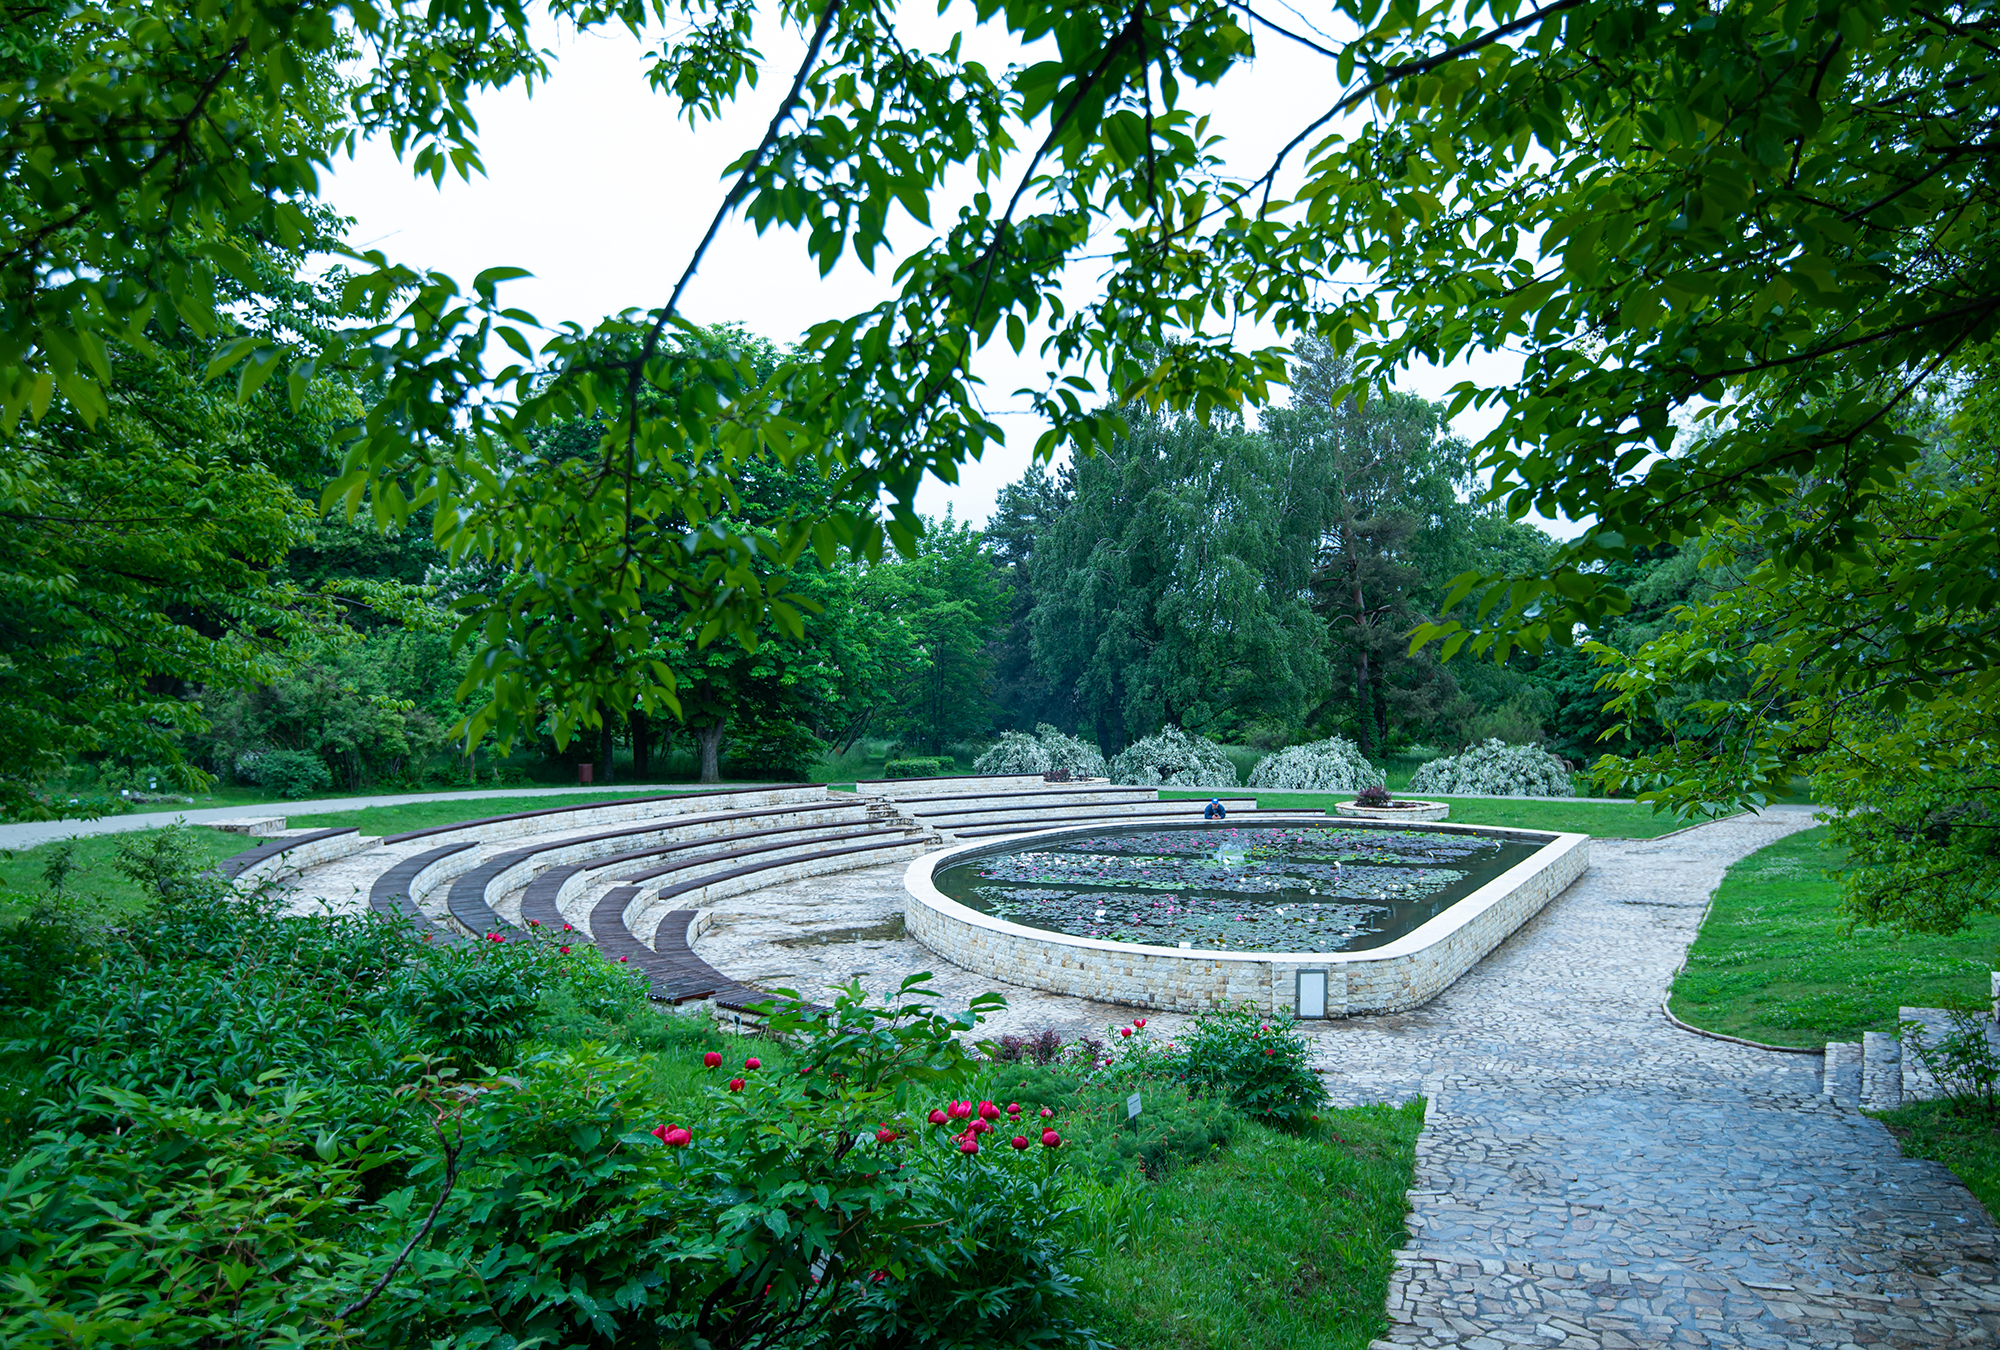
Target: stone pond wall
{"type": "Point", "coordinates": [1403, 974]}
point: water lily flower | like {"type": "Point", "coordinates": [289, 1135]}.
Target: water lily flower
{"type": "Point", "coordinates": [712, 1060]}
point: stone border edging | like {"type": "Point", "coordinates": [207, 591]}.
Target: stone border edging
{"type": "Point", "coordinates": [1721, 1036]}
{"type": "Point", "coordinates": [1396, 976]}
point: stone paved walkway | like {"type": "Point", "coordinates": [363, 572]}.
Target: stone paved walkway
{"type": "Point", "coordinates": [1590, 1175]}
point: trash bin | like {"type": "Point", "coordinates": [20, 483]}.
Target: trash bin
{"type": "Point", "coordinates": [584, 773]}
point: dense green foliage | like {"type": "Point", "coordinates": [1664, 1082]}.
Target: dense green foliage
{"type": "Point", "coordinates": [1776, 961]}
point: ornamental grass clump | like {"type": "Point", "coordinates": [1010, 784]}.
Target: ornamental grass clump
{"type": "Point", "coordinates": [1332, 765]}
{"type": "Point", "coordinates": [1497, 769]}
{"type": "Point", "coordinates": [1172, 758]}
{"type": "Point", "coordinates": [1047, 751]}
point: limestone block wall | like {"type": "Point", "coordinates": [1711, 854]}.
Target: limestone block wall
{"type": "Point", "coordinates": [1403, 974]}
{"type": "Point", "coordinates": [643, 915]}
{"type": "Point", "coordinates": [306, 853]}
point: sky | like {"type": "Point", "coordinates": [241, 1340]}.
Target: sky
{"type": "Point", "coordinates": [595, 187]}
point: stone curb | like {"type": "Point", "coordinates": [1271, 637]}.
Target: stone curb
{"type": "Point", "coordinates": [1733, 1040]}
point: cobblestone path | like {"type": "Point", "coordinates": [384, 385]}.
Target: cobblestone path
{"type": "Point", "coordinates": [1592, 1176]}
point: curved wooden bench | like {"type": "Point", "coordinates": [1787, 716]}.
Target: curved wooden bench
{"type": "Point", "coordinates": [407, 836]}
{"type": "Point", "coordinates": [541, 902]}
{"type": "Point", "coordinates": [236, 864]}
{"type": "Point", "coordinates": [468, 901]}
{"type": "Point", "coordinates": [390, 894]}
{"type": "Point", "coordinates": [674, 971]}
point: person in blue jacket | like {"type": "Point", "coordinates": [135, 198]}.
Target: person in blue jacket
{"type": "Point", "coordinates": [1215, 810]}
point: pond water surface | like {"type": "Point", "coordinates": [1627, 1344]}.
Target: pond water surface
{"type": "Point", "coordinates": [1311, 888]}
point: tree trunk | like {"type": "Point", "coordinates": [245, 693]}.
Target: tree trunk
{"type": "Point", "coordinates": [1362, 688]}
{"type": "Point", "coordinates": [1381, 718]}
{"type": "Point", "coordinates": [709, 739]}
{"type": "Point", "coordinates": [607, 742]}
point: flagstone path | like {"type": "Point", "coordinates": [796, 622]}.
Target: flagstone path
{"type": "Point", "coordinates": [1590, 1175]}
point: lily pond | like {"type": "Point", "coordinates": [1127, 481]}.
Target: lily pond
{"type": "Point", "coordinates": [1295, 889]}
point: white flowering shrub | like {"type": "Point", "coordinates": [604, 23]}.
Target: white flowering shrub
{"type": "Point", "coordinates": [1047, 749]}
{"type": "Point", "coordinates": [1331, 765]}
{"type": "Point", "coordinates": [1174, 759]}
{"type": "Point", "coordinates": [1497, 769]}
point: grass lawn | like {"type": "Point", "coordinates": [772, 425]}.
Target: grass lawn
{"type": "Point", "coordinates": [1772, 964]}
{"type": "Point", "coordinates": [1968, 1142]}
{"type": "Point", "coordinates": [1606, 820]}
{"type": "Point", "coordinates": [1277, 1241]}
{"type": "Point", "coordinates": [21, 869]}
{"type": "Point", "coordinates": [387, 820]}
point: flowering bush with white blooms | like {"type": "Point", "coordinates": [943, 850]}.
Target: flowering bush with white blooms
{"type": "Point", "coordinates": [1172, 758]}
{"type": "Point", "coordinates": [1497, 769]}
{"type": "Point", "coordinates": [1331, 765]}
{"type": "Point", "coordinates": [1046, 750]}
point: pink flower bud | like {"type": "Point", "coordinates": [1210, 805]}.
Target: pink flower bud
{"type": "Point", "coordinates": [988, 1111]}
{"type": "Point", "coordinates": [885, 1135]}
{"type": "Point", "coordinates": [678, 1138]}
{"type": "Point", "coordinates": [1125, 1031]}
{"type": "Point", "coordinates": [736, 1085]}
{"type": "Point", "coordinates": [968, 1143]}
{"type": "Point", "coordinates": [1050, 1139]}
{"type": "Point", "coordinates": [753, 1063]}
{"type": "Point", "coordinates": [568, 929]}
{"type": "Point", "coordinates": [659, 1132]}
{"type": "Point", "coordinates": [1139, 1022]}
{"type": "Point", "coordinates": [1019, 1141]}
{"type": "Point", "coordinates": [1047, 1114]}
{"type": "Point", "coordinates": [712, 1060]}
{"type": "Point", "coordinates": [563, 950]}
{"type": "Point", "coordinates": [959, 1110]}
{"type": "Point", "coordinates": [978, 1127]}
{"type": "Point", "coordinates": [1268, 1052]}
{"type": "Point", "coordinates": [938, 1117]}
{"type": "Point", "coordinates": [1013, 1108]}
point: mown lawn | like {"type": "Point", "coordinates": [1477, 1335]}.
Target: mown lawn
{"type": "Point", "coordinates": [1605, 820]}
{"type": "Point", "coordinates": [1774, 963]}
{"type": "Point", "coordinates": [22, 871]}
{"type": "Point", "coordinates": [1278, 1241]}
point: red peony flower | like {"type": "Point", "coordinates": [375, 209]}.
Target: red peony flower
{"type": "Point", "coordinates": [659, 1132]}
{"type": "Point", "coordinates": [959, 1110]}
{"type": "Point", "coordinates": [568, 929]}
{"type": "Point", "coordinates": [712, 1060]}
{"type": "Point", "coordinates": [1050, 1139]}
{"type": "Point", "coordinates": [1019, 1141]}
{"type": "Point", "coordinates": [736, 1085]}
{"type": "Point", "coordinates": [563, 950]}
{"type": "Point", "coordinates": [1268, 1052]}
{"type": "Point", "coordinates": [1047, 1114]}
{"type": "Point", "coordinates": [988, 1111]}
{"type": "Point", "coordinates": [1013, 1108]}
{"type": "Point", "coordinates": [885, 1135]}
{"type": "Point", "coordinates": [938, 1117]}
{"type": "Point", "coordinates": [677, 1138]}
{"type": "Point", "coordinates": [978, 1127]}
{"type": "Point", "coordinates": [968, 1143]}
{"type": "Point", "coordinates": [753, 1063]}
{"type": "Point", "coordinates": [1138, 1021]}
{"type": "Point", "coordinates": [1125, 1031]}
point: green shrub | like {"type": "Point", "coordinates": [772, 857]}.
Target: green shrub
{"type": "Point", "coordinates": [916, 768]}
{"type": "Point", "coordinates": [290, 774]}
{"type": "Point", "coordinates": [1259, 1063]}
{"type": "Point", "coordinates": [479, 1000]}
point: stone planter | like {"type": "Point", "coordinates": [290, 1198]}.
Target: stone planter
{"type": "Point", "coordinates": [1394, 811]}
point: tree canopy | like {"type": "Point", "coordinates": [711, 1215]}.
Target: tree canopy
{"type": "Point", "coordinates": [1770, 222]}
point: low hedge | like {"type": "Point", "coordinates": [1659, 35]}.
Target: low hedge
{"type": "Point", "coordinates": [916, 768]}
